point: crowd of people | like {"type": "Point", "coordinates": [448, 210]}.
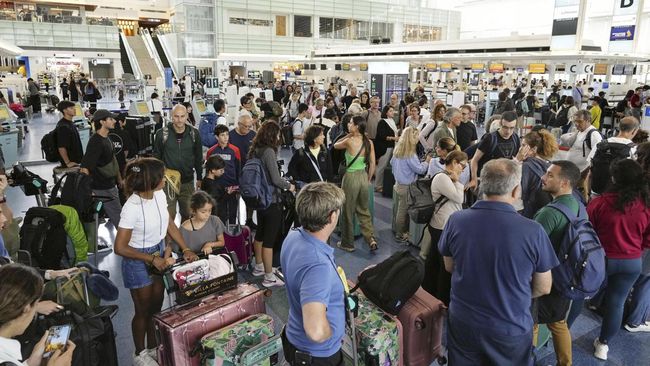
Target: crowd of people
{"type": "Point", "coordinates": [496, 227]}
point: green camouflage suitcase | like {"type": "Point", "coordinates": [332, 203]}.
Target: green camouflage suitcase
{"type": "Point", "coordinates": [379, 336]}
{"type": "Point", "coordinates": [264, 354]}
{"type": "Point", "coordinates": [226, 346]}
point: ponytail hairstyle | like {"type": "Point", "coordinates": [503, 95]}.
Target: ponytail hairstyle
{"type": "Point", "coordinates": [361, 124]}
{"type": "Point", "coordinates": [448, 144]}
{"type": "Point", "coordinates": [143, 175]}
{"type": "Point", "coordinates": [456, 156]}
{"type": "Point", "coordinates": [543, 142]}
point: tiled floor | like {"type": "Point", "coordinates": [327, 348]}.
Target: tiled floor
{"type": "Point", "coordinates": [625, 349]}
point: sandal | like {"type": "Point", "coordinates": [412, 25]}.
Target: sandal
{"type": "Point", "coordinates": [340, 246]}
{"type": "Point", "coordinates": [373, 246]}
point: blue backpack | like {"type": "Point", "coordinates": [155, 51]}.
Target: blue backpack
{"type": "Point", "coordinates": [254, 186]}
{"type": "Point", "coordinates": [581, 272]}
{"type": "Point", "coordinates": [206, 129]}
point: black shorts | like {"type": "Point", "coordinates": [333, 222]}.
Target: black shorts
{"type": "Point", "coordinates": [269, 223]}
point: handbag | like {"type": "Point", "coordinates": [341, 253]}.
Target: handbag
{"type": "Point", "coordinates": [109, 170]}
{"type": "Point", "coordinates": [72, 293]}
{"type": "Point", "coordinates": [343, 167]}
{"type": "Point", "coordinates": [172, 182]}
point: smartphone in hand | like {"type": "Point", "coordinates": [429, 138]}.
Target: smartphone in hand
{"type": "Point", "coordinates": [57, 339]}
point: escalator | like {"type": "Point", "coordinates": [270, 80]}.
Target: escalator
{"type": "Point", "coordinates": [124, 58]}
{"type": "Point", "coordinates": [160, 51]}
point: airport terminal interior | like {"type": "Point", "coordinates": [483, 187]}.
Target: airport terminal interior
{"type": "Point", "coordinates": [227, 68]}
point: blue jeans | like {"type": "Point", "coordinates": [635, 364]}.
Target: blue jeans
{"type": "Point", "coordinates": [621, 274]}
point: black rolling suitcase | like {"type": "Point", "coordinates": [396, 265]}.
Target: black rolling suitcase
{"type": "Point", "coordinates": [389, 182]}
{"type": "Point", "coordinates": [94, 336]}
{"type": "Point", "coordinates": [141, 128]}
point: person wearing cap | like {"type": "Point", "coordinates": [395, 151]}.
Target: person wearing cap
{"type": "Point", "coordinates": [596, 112]}
{"type": "Point", "coordinates": [100, 163]}
{"type": "Point", "coordinates": [68, 140]}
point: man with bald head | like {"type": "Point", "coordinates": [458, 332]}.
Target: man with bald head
{"type": "Point", "coordinates": [178, 145]}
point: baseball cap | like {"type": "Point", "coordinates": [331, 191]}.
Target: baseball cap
{"type": "Point", "coordinates": [102, 114]}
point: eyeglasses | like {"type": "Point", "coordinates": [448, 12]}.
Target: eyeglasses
{"type": "Point", "coordinates": [464, 165]}
{"type": "Point", "coordinates": [245, 126]}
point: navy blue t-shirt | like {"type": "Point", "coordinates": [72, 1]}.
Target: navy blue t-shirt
{"type": "Point", "coordinates": [496, 251]}
{"type": "Point", "coordinates": [242, 142]}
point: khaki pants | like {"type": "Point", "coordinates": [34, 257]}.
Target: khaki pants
{"type": "Point", "coordinates": [400, 192]}
{"type": "Point", "coordinates": [183, 200]}
{"type": "Point", "coordinates": [355, 186]}
{"type": "Point", "coordinates": [561, 341]}
{"type": "Point", "coordinates": [382, 163]}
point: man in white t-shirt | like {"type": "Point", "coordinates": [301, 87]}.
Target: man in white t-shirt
{"type": "Point", "coordinates": [585, 140]}
{"type": "Point", "coordinates": [156, 104]}
{"type": "Point", "coordinates": [300, 126]}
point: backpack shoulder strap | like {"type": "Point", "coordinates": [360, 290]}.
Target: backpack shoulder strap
{"type": "Point", "coordinates": [566, 211]}
{"type": "Point", "coordinates": [494, 140]}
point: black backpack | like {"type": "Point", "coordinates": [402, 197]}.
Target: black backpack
{"type": "Point", "coordinates": [76, 191]}
{"type": "Point", "coordinates": [49, 148]}
{"type": "Point", "coordinates": [44, 237]}
{"type": "Point", "coordinates": [391, 283]}
{"type": "Point", "coordinates": [606, 153]}
{"type": "Point", "coordinates": [419, 148]}
{"type": "Point", "coordinates": [562, 117]}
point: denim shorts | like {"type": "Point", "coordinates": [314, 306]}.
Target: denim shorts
{"type": "Point", "coordinates": [134, 271]}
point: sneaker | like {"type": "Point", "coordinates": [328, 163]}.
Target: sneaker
{"type": "Point", "coordinates": [402, 238]}
{"type": "Point", "coordinates": [143, 359]}
{"type": "Point", "coordinates": [645, 327]}
{"type": "Point", "coordinates": [600, 350]}
{"type": "Point", "coordinates": [153, 353]}
{"type": "Point", "coordinates": [272, 282]}
{"type": "Point", "coordinates": [251, 225]}
{"type": "Point", "coordinates": [258, 271]}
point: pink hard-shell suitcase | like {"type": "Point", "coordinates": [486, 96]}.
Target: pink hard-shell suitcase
{"type": "Point", "coordinates": [422, 319]}
{"type": "Point", "coordinates": [239, 239]}
{"type": "Point", "coordinates": [180, 328]}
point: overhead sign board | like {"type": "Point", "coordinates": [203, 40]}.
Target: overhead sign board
{"type": "Point", "coordinates": [625, 7]}
{"type": "Point", "coordinates": [600, 69]}
{"type": "Point", "coordinates": [496, 68]}
{"type": "Point", "coordinates": [478, 68]}
{"type": "Point", "coordinates": [363, 67]}
{"type": "Point", "coordinates": [211, 85]}
{"type": "Point", "coordinates": [580, 68]}
{"type": "Point", "coordinates": [445, 67]}
{"type": "Point", "coordinates": [431, 67]}
{"type": "Point", "coordinates": [622, 33]}
{"type": "Point", "coordinates": [376, 84]}
{"type": "Point", "coordinates": [346, 67]}
{"type": "Point", "coordinates": [537, 68]}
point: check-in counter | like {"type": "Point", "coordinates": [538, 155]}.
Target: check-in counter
{"type": "Point", "coordinates": [9, 144]}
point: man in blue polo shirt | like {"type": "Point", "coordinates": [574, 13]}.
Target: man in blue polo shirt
{"type": "Point", "coordinates": [242, 137]}
{"type": "Point", "coordinates": [316, 322]}
{"type": "Point", "coordinates": [499, 261]}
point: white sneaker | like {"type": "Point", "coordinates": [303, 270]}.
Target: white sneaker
{"type": "Point", "coordinates": [600, 350]}
{"type": "Point", "coordinates": [645, 327]}
{"type": "Point", "coordinates": [258, 271]}
{"type": "Point", "coordinates": [143, 359]}
{"type": "Point", "coordinates": [272, 282]}
{"type": "Point", "coordinates": [153, 353]}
